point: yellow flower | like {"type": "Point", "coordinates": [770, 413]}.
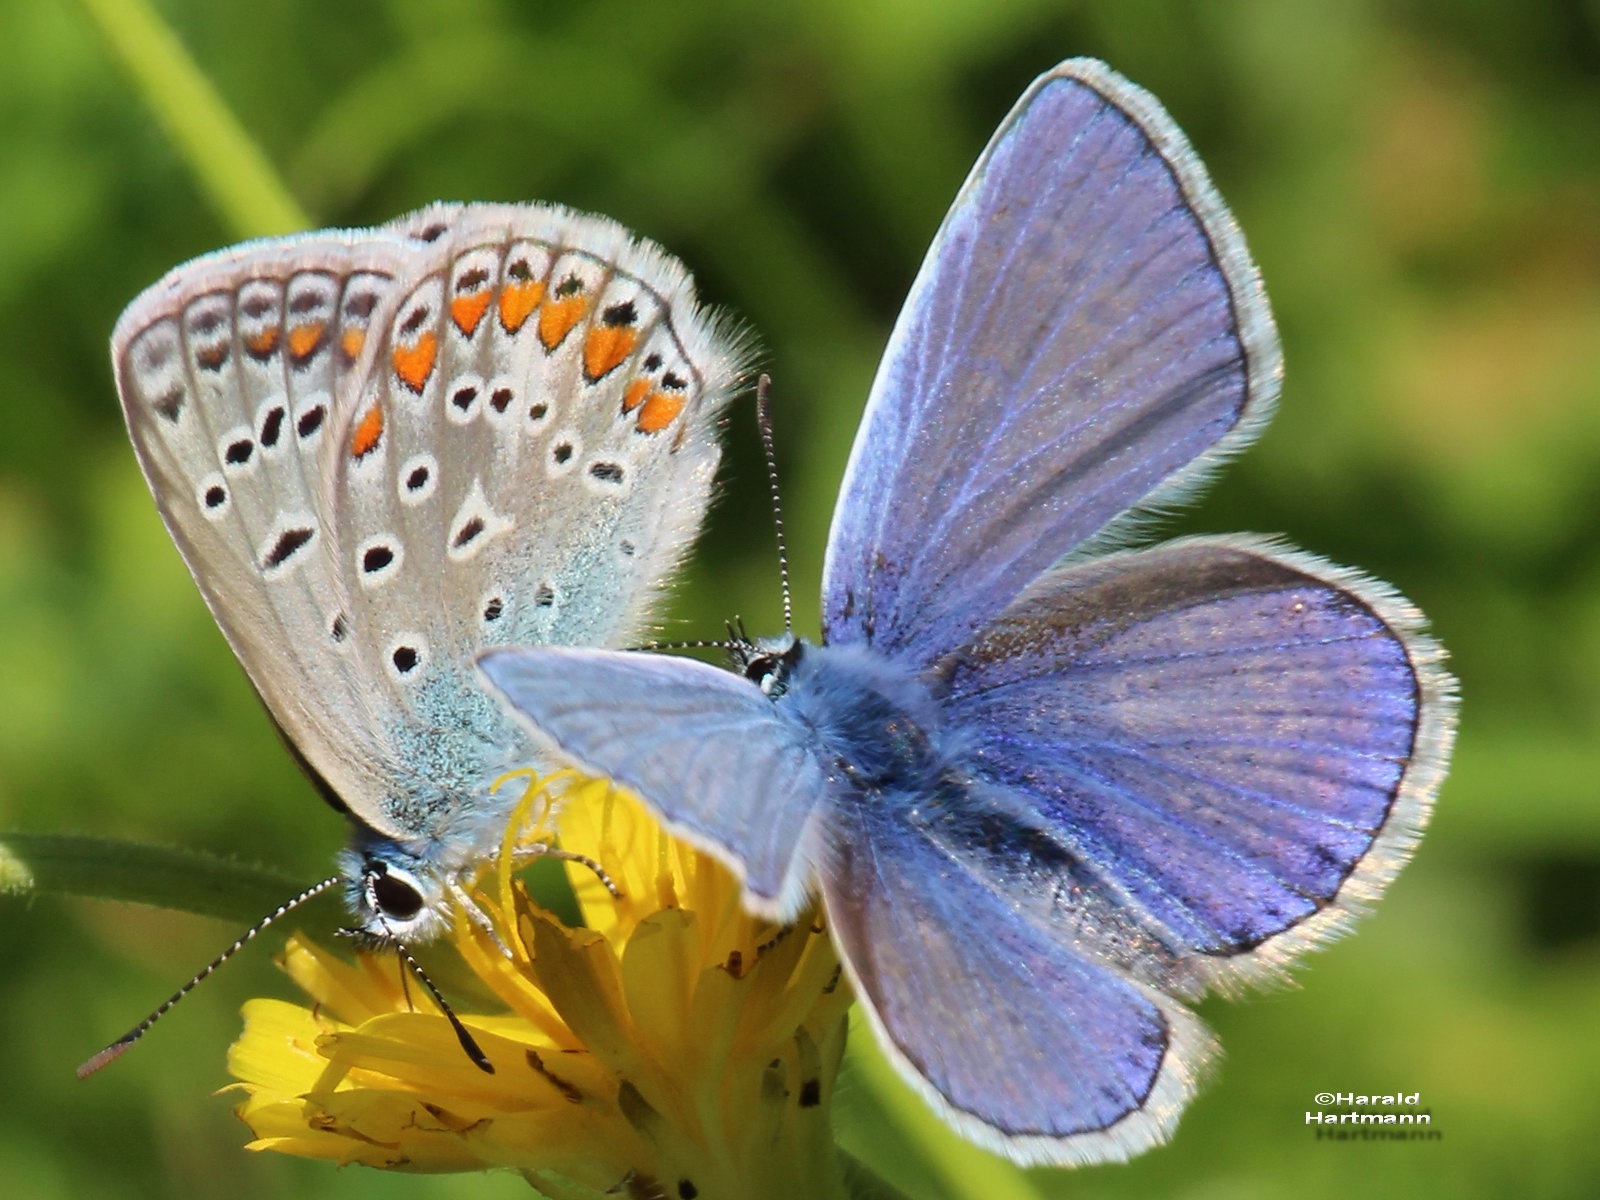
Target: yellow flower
{"type": "Point", "coordinates": [672, 1046]}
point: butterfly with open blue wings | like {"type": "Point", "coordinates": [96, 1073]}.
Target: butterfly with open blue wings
{"type": "Point", "coordinates": [1046, 794]}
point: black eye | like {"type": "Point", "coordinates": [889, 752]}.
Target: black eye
{"type": "Point", "coordinates": [396, 899]}
{"type": "Point", "coordinates": [760, 667]}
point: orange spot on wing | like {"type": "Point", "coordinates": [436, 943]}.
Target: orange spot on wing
{"type": "Point", "coordinates": [517, 301]}
{"type": "Point", "coordinates": [658, 411]}
{"type": "Point", "coordinates": [368, 433]}
{"type": "Point", "coordinates": [634, 396]}
{"type": "Point", "coordinates": [466, 311]}
{"type": "Point", "coordinates": [414, 363]}
{"type": "Point", "coordinates": [605, 347]}
{"type": "Point", "coordinates": [557, 318]}
{"type": "Point", "coordinates": [304, 340]}
{"type": "Point", "coordinates": [351, 342]}
{"type": "Point", "coordinates": [264, 343]}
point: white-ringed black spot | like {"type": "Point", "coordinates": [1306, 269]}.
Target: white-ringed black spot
{"type": "Point", "coordinates": [675, 382]}
{"type": "Point", "coordinates": [471, 280]}
{"type": "Point", "coordinates": [500, 399]}
{"type": "Point", "coordinates": [408, 654]}
{"type": "Point", "coordinates": [376, 558]}
{"type": "Point", "coordinates": [361, 304]}
{"type": "Point", "coordinates": [238, 452]}
{"type": "Point", "coordinates": [520, 271]}
{"type": "Point", "coordinates": [463, 397]}
{"type": "Point", "coordinates": [310, 421]}
{"type": "Point", "coordinates": [415, 319]}
{"type": "Point", "coordinates": [493, 610]}
{"type": "Point", "coordinates": [537, 412]}
{"type": "Point", "coordinates": [606, 472]}
{"type": "Point", "coordinates": [471, 529]}
{"type": "Point", "coordinates": [652, 362]}
{"type": "Point", "coordinates": [216, 496]}
{"type": "Point", "coordinates": [570, 286]}
{"type": "Point", "coordinates": [561, 453]}
{"type": "Point", "coordinates": [544, 596]}
{"type": "Point", "coordinates": [307, 301]}
{"type": "Point", "coordinates": [256, 306]}
{"type": "Point", "coordinates": [289, 542]}
{"type": "Point", "coordinates": [417, 479]}
{"type": "Point", "coordinates": [272, 426]}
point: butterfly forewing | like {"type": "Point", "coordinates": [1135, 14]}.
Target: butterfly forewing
{"type": "Point", "coordinates": [525, 461]}
{"type": "Point", "coordinates": [1086, 334]}
{"type": "Point", "coordinates": [231, 372]}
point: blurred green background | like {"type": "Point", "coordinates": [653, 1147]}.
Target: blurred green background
{"type": "Point", "coordinates": [1420, 183]}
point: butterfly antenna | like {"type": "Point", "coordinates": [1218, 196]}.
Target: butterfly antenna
{"type": "Point", "coordinates": [122, 1045]}
{"type": "Point", "coordinates": [699, 644]}
{"type": "Point", "coordinates": [468, 1043]}
{"type": "Point", "coordinates": [764, 423]}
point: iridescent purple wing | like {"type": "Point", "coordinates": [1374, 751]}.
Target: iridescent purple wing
{"type": "Point", "coordinates": [720, 762]}
{"type": "Point", "coordinates": [1028, 1041]}
{"type": "Point", "coordinates": [1245, 740]}
{"type": "Point", "coordinates": [1087, 335]}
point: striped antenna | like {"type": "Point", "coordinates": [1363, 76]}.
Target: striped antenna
{"type": "Point", "coordinates": [764, 423]}
{"type": "Point", "coordinates": [124, 1043]}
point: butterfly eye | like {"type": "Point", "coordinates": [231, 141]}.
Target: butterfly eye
{"type": "Point", "coordinates": [396, 898]}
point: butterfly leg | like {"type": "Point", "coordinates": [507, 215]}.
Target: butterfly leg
{"type": "Point", "coordinates": [533, 850]}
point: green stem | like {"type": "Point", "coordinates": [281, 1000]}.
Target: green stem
{"type": "Point", "coordinates": [54, 864]}
{"type": "Point", "coordinates": [233, 172]}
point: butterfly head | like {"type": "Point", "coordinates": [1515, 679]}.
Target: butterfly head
{"type": "Point", "coordinates": [766, 662]}
{"type": "Point", "coordinates": [393, 898]}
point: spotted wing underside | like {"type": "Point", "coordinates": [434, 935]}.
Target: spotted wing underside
{"type": "Point", "coordinates": [477, 425]}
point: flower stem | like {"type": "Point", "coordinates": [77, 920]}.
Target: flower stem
{"type": "Point", "coordinates": [46, 864]}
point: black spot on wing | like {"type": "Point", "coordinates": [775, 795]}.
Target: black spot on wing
{"type": "Point", "coordinates": [288, 544]}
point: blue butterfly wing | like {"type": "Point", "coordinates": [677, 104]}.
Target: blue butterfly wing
{"type": "Point", "coordinates": [1246, 741]}
{"type": "Point", "coordinates": [705, 748]}
{"type": "Point", "coordinates": [1086, 335]}
{"type": "Point", "coordinates": [1030, 1042]}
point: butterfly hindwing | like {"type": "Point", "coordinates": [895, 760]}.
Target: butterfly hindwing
{"type": "Point", "coordinates": [1086, 335]}
{"type": "Point", "coordinates": [1024, 1039]}
{"type": "Point", "coordinates": [1245, 740]}
{"type": "Point", "coordinates": [525, 461]}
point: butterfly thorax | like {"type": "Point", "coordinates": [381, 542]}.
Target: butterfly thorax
{"type": "Point", "coordinates": [879, 726]}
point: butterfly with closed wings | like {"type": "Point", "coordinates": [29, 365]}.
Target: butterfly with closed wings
{"type": "Point", "coordinates": [384, 451]}
{"type": "Point", "coordinates": [1045, 794]}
